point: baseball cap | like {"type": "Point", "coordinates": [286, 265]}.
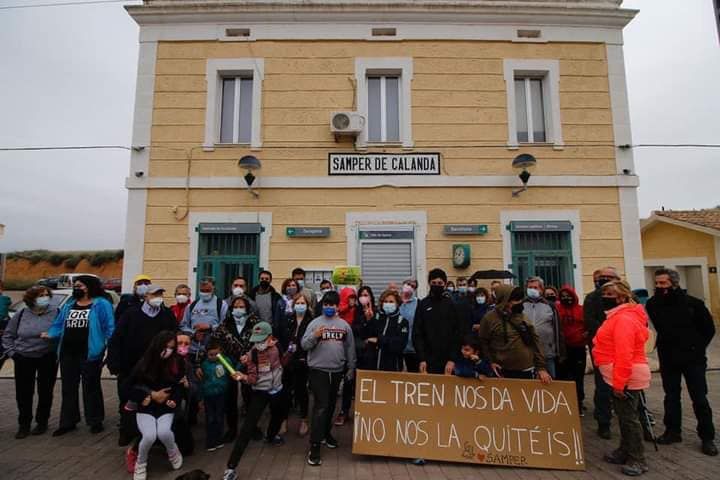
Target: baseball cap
{"type": "Point", "coordinates": [141, 277]}
{"type": "Point", "coordinates": [260, 332]}
{"type": "Point", "coordinates": [155, 289]}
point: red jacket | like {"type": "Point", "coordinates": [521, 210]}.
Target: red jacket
{"type": "Point", "coordinates": [345, 311]}
{"type": "Point", "coordinates": [179, 311]}
{"type": "Point", "coordinates": [620, 341]}
{"type": "Point", "coordinates": [571, 320]}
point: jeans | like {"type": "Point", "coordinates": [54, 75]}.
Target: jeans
{"type": "Point", "coordinates": [74, 369]}
{"type": "Point", "coordinates": [214, 419]}
{"type": "Point", "coordinates": [574, 370]}
{"type": "Point", "coordinates": [631, 434]}
{"type": "Point", "coordinates": [697, 388]}
{"type": "Point", "coordinates": [231, 407]}
{"type": "Point", "coordinates": [550, 367]}
{"type": "Point", "coordinates": [324, 386]}
{"type": "Point", "coordinates": [153, 429]}
{"type": "Point", "coordinates": [602, 399]}
{"type": "Point", "coordinates": [258, 401]}
{"type": "Point", "coordinates": [29, 372]}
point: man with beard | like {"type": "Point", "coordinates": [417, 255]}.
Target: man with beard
{"type": "Point", "coordinates": [684, 331]}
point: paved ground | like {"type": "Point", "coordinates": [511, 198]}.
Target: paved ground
{"type": "Point", "coordinates": [81, 455]}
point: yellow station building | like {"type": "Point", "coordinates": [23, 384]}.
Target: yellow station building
{"type": "Point", "coordinates": [389, 134]}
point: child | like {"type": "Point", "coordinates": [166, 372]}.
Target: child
{"type": "Point", "coordinates": [470, 364]}
{"type": "Point", "coordinates": [156, 391]}
{"type": "Point", "coordinates": [264, 373]}
{"type": "Point", "coordinates": [214, 386]}
{"type": "Point", "coordinates": [331, 349]}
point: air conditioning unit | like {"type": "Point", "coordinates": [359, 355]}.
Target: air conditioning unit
{"type": "Point", "coordinates": [346, 123]}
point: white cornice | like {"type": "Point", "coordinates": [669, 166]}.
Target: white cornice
{"type": "Point", "coordinates": [583, 13]}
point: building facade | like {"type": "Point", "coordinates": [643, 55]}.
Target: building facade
{"type": "Point", "coordinates": [442, 97]}
{"type": "Point", "coordinates": [687, 241]}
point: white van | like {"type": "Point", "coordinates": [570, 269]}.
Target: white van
{"type": "Point", "coordinates": [66, 280]}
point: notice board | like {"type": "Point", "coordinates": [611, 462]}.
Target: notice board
{"type": "Point", "coordinates": [501, 422]}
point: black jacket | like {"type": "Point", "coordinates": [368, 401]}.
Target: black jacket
{"type": "Point", "coordinates": [287, 332]}
{"type": "Point", "coordinates": [464, 304]}
{"type": "Point", "coordinates": [127, 301]}
{"type": "Point", "coordinates": [132, 336]}
{"type": "Point", "coordinates": [593, 313]}
{"type": "Point", "coordinates": [684, 328]}
{"type": "Point", "coordinates": [365, 352]}
{"type": "Point", "coordinates": [437, 332]}
{"type": "Point", "coordinates": [393, 331]}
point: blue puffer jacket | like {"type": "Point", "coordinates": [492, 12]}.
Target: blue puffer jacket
{"type": "Point", "coordinates": [101, 326]}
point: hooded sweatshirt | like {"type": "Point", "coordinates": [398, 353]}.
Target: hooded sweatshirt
{"type": "Point", "coordinates": [620, 343]}
{"type": "Point", "coordinates": [572, 320]}
{"type": "Point", "coordinates": [345, 311]}
{"type": "Point", "coordinates": [502, 344]}
{"type": "Point", "coordinates": [334, 350]}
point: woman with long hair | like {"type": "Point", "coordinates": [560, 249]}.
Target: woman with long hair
{"type": "Point", "coordinates": [82, 328]}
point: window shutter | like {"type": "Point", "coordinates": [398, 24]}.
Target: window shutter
{"type": "Point", "coordinates": [382, 263]}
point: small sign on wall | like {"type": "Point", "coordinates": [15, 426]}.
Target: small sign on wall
{"type": "Point", "coordinates": [461, 255]}
{"type": "Point", "coordinates": [294, 232]}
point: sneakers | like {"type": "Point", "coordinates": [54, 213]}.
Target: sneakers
{"type": "Point", "coordinates": [330, 442]}
{"type": "Point", "coordinates": [216, 447]}
{"type": "Point", "coordinates": [616, 457]}
{"type": "Point", "coordinates": [130, 459]}
{"type": "Point", "coordinates": [304, 428]}
{"type": "Point", "coordinates": [669, 437]}
{"type": "Point", "coordinates": [603, 432]}
{"type": "Point", "coordinates": [634, 468]}
{"type": "Point", "coordinates": [709, 448]}
{"type": "Point", "coordinates": [418, 462]}
{"type": "Point", "coordinates": [340, 420]}
{"type": "Point", "coordinates": [140, 471]}
{"type": "Point", "coordinates": [230, 475]}
{"type": "Point", "coordinates": [313, 457]}
{"type": "Point", "coordinates": [176, 459]}
{"type": "Point", "coordinates": [22, 432]}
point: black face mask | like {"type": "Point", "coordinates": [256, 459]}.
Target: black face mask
{"type": "Point", "coordinates": [264, 284]}
{"type": "Point", "coordinates": [608, 303]}
{"type": "Point", "coordinates": [551, 298]}
{"type": "Point", "coordinates": [566, 301]}
{"type": "Point", "coordinates": [662, 292]}
{"type": "Point", "coordinates": [517, 309]}
{"type": "Point", "coordinates": [437, 291]}
{"type": "Point", "coordinates": [602, 281]}
{"type": "Point", "coordinates": [78, 293]}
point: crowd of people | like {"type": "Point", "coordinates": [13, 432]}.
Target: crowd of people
{"type": "Point", "coordinates": [260, 348]}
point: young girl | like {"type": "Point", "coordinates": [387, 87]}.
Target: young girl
{"type": "Point", "coordinates": [157, 392]}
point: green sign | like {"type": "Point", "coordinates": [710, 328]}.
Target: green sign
{"type": "Point", "coordinates": [465, 229]}
{"type": "Point", "coordinates": [307, 231]}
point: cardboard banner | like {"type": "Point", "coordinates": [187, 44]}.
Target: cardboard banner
{"type": "Point", "coordinates": [514, 423]}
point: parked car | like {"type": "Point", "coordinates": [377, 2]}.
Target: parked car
{"type": "Point", "coordinates": [59, 298]}
{"type": "Point", "coordinates": [51, 282]}
{"type": "Point", "coordinates": [66, 280]}
{"type": "Point", "coordinates": [114, 284]}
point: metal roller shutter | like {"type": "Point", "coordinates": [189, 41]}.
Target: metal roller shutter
{"type": "Point", "coordinates": [385, 262]}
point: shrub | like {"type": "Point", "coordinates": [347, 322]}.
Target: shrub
{"type": "Point", "coordinates": [73, 261]}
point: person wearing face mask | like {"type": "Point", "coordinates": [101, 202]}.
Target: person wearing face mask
{"type": "Point", "coordinates": [233, 336]}
{"type": "Point", "coordinates": [543, 316]}
{"type": "Point", "coordinates": [134, 299]}
{"type": "Point", "coordinates": [182, 300]}
{"type": "Point", "coordinates": [325, 287]}
{"type": "Point", "coordinates": [480, 307]}
{"type": "Point", "coordinates": [509, 341]}
{"type": "Point", "coordinates": [266, 298]}
{"type": "Point", "coordinates": [450, 287]}
{"type": "Point", "coordinates": [239, 288]}
{"type": "Point", "coordinates": [407, 311]}
{"type": "Point", "coordinates": [552, 295]}
{"type": "Point", "coordinates": [684, 328]}
{"type": "Point", "coordinates": [572, 323]}
{"type": "Point", "coordinates": [330, 345]}
{"type": "Point", "coordinates": [438, 328]}
{"type": "Point", "coordinates": [463, 298]}
{"type": "Point", "coordinates": [205, 313]}
{"type": "Point", "coordinates": [82, 328]}
{"type": "Point", "coordinates": [132, 336]}
{"type": "Point", "coordinates": [34, 360]}
{"type": "Point", "coordinates": [392, 333]}
{"type": "Point", "coordinates": [619, 354]}
{"type": "Point", "coordinates": [298, 274]}
{"type": "Point", "coordinates": [284, 305]}
{"type": "Point", "coordinates": [594, 316]}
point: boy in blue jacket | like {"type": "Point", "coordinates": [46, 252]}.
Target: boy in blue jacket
{"type": "Point", "coordinates": [471, 365]}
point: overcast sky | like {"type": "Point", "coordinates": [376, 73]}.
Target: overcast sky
{"type": "Point", "coordinates": [67, 77]}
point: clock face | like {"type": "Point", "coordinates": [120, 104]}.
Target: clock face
{"type": "Point", "coordinates": [459, 255]}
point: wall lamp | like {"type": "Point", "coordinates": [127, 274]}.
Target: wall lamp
{"type": "Point", "coordinates": [250, 163]}
{"type": "Point", "coordinates": [523, 161]}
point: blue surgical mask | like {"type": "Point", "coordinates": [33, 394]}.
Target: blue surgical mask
{"type": "Point", "coordinates": [239, 312]}
{"type": "Point", "coordinates": [300, 283]}
{"type": "Point", "coordinates": [480, 299]}
{"type": "Point", "coordinates": [141, 290]}
{"type": "Point", "coordinates": [532, 293]}
{"type": "Point", "coordinates": [300, 308]}
{"type": "Point", "coordinates": [389, 308]}
{"type": "Point", "coordinates": [43, 301]}
{"type": "Point", "coordinates": [205, 296]}
{"type": "Point", "coordinates": [462, 290]}
{"type": "Point", "coordinates": [451, 289]}
{"type": "Point", "coordinates": [329, 311]}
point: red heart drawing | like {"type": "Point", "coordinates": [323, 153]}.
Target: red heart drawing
{"type": "Point", "coordinates": [481, 457]}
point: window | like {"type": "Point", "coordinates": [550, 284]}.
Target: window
{"type": "Point", "coordinates": [383, 98]}
{"type": "Point", "coordinates": [543, 254]}
{"type": "Point", "coordinates": [234, 98]}
{"type": "Point", "coordinates": [533, 102]}
{"type": "Point", "coordinates": [529, 110]}
{"type": "Point", "coordinates": [236, 110]}
{"type": "Point", "coordinates": [383, 108]}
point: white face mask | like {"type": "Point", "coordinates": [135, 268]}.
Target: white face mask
{"type": "Point", "coordinates": [237, 291]}
{"type": "Point", "coordinates": [156, 301]}
{"type": "Point", "coordinates": [181, 298]}
{"type": "Point", "coordinates": [205, 296]}
{"type": "Point", "coordinates": [262, 346]}
{"type": "Point", "coordinates": [165, 354]}
{"type": "Point", "coordinates": [43, 301]}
